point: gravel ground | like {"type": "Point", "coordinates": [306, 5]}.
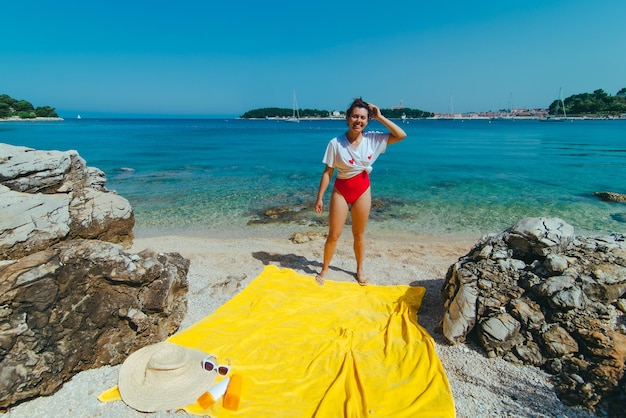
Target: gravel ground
{"type": "Point", "coordinates": [481, 387]}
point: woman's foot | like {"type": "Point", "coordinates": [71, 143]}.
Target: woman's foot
{"type": "Point", "coordinates": [362, 280]}
{"type": "Point", "coordinates": [319, 279]}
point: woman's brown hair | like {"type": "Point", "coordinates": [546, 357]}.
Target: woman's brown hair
{"type": "Point", "coordinates": [359, 102]}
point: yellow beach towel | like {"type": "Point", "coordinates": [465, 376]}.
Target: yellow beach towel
{"type": "Point", "coordinates": [340, 349]}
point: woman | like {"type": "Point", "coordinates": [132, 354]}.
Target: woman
{"type": "Point", "coordinates": [353, 154]}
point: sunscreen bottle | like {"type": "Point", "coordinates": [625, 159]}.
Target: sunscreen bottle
{"type": "Point", "coordinates": [233, 393]}
{"type": "Point", "coordinates": [209, 398]}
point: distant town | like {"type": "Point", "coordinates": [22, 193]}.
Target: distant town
{"type": "Point", "coordinates": [521, 113]}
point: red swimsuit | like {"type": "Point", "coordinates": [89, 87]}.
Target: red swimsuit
{"type": "Point", "coordinates": [351, 189]}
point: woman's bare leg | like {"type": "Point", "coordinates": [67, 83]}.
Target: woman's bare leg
{"type": "Point", "coordinates": [360, 215]}
{"type": "Point", "coordinates": [338, 213]}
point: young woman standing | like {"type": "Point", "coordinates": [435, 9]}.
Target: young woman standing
{"type": "Point", "coordinates": [352, 154]}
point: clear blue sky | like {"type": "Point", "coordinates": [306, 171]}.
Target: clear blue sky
{"type": "Point", "coordinates": [205, 58]}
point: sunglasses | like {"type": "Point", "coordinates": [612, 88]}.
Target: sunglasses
{"type": "Point", "coordinates": [210, 363]}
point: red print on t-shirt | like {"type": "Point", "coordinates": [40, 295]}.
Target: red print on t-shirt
{"type": "Point", "coordinates": [369, 157]}
{"type": "Point", "coordinates": [351, 161]}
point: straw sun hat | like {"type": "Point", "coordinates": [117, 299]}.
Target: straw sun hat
{"type": "Point", "coordinates": [164, 376]}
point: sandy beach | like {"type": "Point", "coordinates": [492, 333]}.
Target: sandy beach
{"type": "Point", "coordinates": [221, 267]}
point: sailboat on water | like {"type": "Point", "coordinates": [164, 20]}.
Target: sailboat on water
{"type": "Point", "coordinates": [295, 116]}
{"type": "Point", "coordinates": [556, 118]}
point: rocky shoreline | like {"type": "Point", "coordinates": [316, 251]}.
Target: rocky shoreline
{"type": "Point", "coordinates": [71, 297]}
{"type": "Point", "coordinates": [538, 294]}
{"type": "Point", "coordinates": [18, 119]}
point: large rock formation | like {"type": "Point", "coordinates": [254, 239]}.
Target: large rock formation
{"type": "Point", "coordinates": [82, 304]}
{"type": "Point", "coordinates": [68, 303]}
{"type": "Point", "coordinates": [537, 294]}
{"type": "Point", "coordinates": [50, 196]}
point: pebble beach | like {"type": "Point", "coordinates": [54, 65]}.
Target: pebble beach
{"type": "Point", "coordinates": [222, 266]}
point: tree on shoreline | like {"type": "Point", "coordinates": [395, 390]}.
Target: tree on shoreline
{"type": "Point", "coordinates": [276, 112]}
{"type": "Point", "coordinates": [596, 103]}
{"type": "Point", "coordinates": [10, 107]}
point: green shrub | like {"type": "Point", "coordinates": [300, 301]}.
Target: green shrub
{"type": "Point", "coordinates": [26, 115]}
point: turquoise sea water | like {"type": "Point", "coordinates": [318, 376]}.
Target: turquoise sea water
{"type": "Point", "coordinates": [448, 177]}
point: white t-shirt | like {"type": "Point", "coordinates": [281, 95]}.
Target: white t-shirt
{"type": "Point", "coordinates": [349, 160]}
